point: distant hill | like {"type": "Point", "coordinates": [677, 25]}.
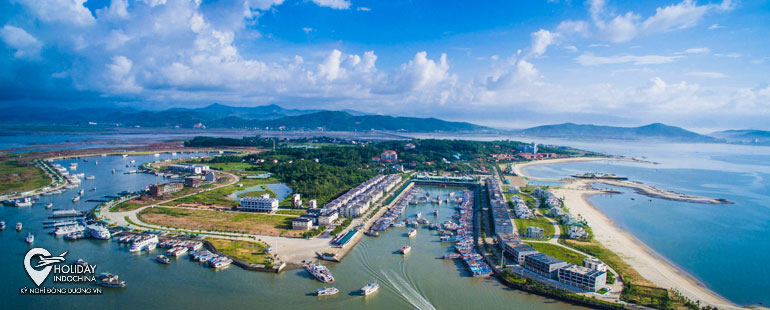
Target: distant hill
{"type": "Point", "coordinates": [224, 116]}
{"type": "Point", "coordinates": [656, 131]}
{"type": "Point", "coordinates": [743, 136]}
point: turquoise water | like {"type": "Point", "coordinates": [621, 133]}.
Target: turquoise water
{"type": "Point", "coordinates": [544, 183]}
{"type": "Point", "coordinates": [724, 246]}
{"type": "Point", "coordinates": [418, 281]}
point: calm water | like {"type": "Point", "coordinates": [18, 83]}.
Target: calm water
{"type": "Point", "coordinates": [724, 246]}
{"type": "Point", "coordinates": [419, 280]}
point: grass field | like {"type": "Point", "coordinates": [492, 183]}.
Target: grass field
{"type": "Point", "coordinates": [223, 221]}
{"type": "Point", "coordinates": [247, 251]}
{"type": "Point", "coordinates": [566, 255]}
{"type": "Point", "coordinates": [126, 206]}
{"type": "Point", "coordinates": [608, 257]}
{"type": "Point", "coordinates": [218, 196]}
{"type": "Point", "coordinates": [290, 212]}
{"type": "Point", "coordinates": [229, 166]}
{"type": "Point", "coordinates": [18, 176]}
{"type": "Point", "coordinates": [541, 222]}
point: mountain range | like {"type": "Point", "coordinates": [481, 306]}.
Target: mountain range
{"type": "Point", "coordinates": [275, 117]}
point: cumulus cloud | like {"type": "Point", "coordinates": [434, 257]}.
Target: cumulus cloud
{"type": "Point", "coordinates": [26, 45]}
{"type": "Point", "coordinates": [61, 11]}
{"type": "Point", "coordinates": [697, 50]}
{"type": "Point", "coordinates": [541, 39]}
{"type": "Point", "coordinates": [711, 75]}
{"type": "Point", "coordinates": [334, 4]}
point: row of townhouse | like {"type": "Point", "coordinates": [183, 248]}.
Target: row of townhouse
{"type": "Point", "coordinates": [549, 198]}
{"type": "Point", "coordinates": [503, 222]}
{"type": "Point", "coordinates": [358, 200]}
{"type": "Point", "coordinates": [520, 208]}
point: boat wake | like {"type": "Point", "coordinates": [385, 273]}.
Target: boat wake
{"type": "Point", "coordinates": [407, 291]}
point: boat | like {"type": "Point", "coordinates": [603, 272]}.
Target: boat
{"type": "Point", "coordinates": [80, 192]}
{"type": "Point", "coordinates": [419, 214]}
{"type": "Point", "coordinates": [435, 212]}
{"type": "Point", "coordinates": [2, 225]}
{"type": "Point", "coordinates": [30, 238]}
{"type": "Point", "coordinates": [111, 280]}
{"type": "Point", "coordinates": [91, 177]}
{"type": "Point", "coordinates": [67, 213]}
{"type": "Point", "coordinates": [163, 259]}
{"type": "Point", "coordinates": [406, 250]}
{"type": "Point", "coordinates": [320, 272]}
{"type": "Point", "coordinates": [147, 242]}
{"type": "Point", "coordinates": [81, 262]}
{"type": "Point", "coordinates": [372, 233]}
{"type": "Point", "coordinates": [124, 155]}
{"type": "Point", "coordinates": [177, 251]}
{"type": "Point", "coordinates": [113, 171]}
{"type": "Point", "coordinates": [327, 291]}
{"type": "Point", "coordinates": [68, 229]}
{"type": "Point", "coordinates": [412, 233]}
{"type": "Point", "coordinates": [220, 262]}
{"type": "Point", "coordinates": [98, 232]}
{"type": "Point", "coordinates": [18, 226]}
{"type": "Point", "coordinates": [76, 199]}
{"type": "Point", "coordinates": [370, 288]}
{"type": "Point", "coordinates": [23, 202]}
{"type": "Point", "coordinates": [49, 205]}
{"type": "Point", "coordinates": [74, 235]}
{"type": "Point", "coordinates": [93, 189]}
{"type": "Point", "coordinates": [451, 255]}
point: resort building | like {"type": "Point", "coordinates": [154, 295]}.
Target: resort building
{"type": "Point", "coordinates": [594, 263]}
{"type": "Point", "coordinates": [583, 278]}
{"type": "Point", "coordinates": [165, 188]}
{"type": "Point", "coordinates": [328, 217]}
{"type": "Point", "coordinates": [520, 208]}
{"type": "Point", "coordinates": [210, 177]}
{"type": "Point", "coordinates": [389, 156]}
{"type": "Point", "coordinates": [193, 182]}
{"type": "Point", "coordinates": [535, 232]}
{"type": "Point", "coordinates": [519, 251]}
{"type": "Point", "coordinates": [358, 200]}
{"type": "Point", "coordinates": [302, 223]}
{"type": "Point", "coordinates": [188, 168]}
{"type": "Point", "coordinates": [296, 201]}
{"type": "Point", "coordinates": [544, 265]}
{"type": "Point", "coordinates": [503, 222]}
{"type": "Point", "coordinates": [259, 204]}
{"type": "Point", "coordinates": [555, 212]}
{"type": "Point", "coordinates": [312, 204]}
{"type": "Point", "coordinates": [576, 232]}
{"type": "Point", "coordinates": [568, 219]}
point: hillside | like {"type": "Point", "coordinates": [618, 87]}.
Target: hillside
{"type": "Point", "coordinates": [743, 136]}
{"type": "Point", "coordinates": [656, 131]}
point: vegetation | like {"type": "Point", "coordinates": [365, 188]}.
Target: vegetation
{"type": "Point", "coordinates": [559, 252]}
{"type": "Point", "coordinates": [337, 230]}
{"type": "Point", "coordinates": [223, 221]}
{"type": "Point", "coordinates": [541, 222]}
{"type": "Point", "coordinates": [314, 232]}
{"type": "Point", "coordinates": [126, 206]}
{"type": "Point", "coordinates": [247, 251]}
{"type": "Point", "coordinates": [223, 142]}
{"type": "Point", "coordinates": [597, 250]}
{"type": "Point", "coordinates": [20, 176]}
{"type": "Point", "coordinates": [219, 196]}
{"type": "Point", "coordinates": [290, 212]}
{"type": "Point", "coordinates": [320, 181]}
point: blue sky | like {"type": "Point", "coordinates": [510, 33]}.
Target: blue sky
{"type": "Point", "coordinates": [699, 64]}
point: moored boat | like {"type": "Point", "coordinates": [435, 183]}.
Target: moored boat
{"type": "Point", "coordinates": [412, 233]}
{"type": "Point", "coordinates": [49, 205]}
{"type": "Point", "coordinates": [163, 259]}
{"type": "Point", "coordinates": [111, 280]}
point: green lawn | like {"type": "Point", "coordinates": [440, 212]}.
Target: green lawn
{"type": "Point", "coordinates": [218, 196]}
{"type": "Point", "coordinates": [18, 176]}
{"type": "Point", "coordinates": [247, 251]}
{"type": "Point", "coordinates": [229, 166]}
{"type": "Point", "coordinates": [528, 200]}
{"type": "Point", "coordinates": [126, 206]}
{"type": "Point", "coordinates": [556, 251]}
{"type": "Point", "coordinates": [290, 212]}
{"type": "Point", "coordinates": [222, 221]}
{"type": "Point", "coordinates": [541, 222]}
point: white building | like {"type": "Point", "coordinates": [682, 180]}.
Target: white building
{"type": "Point", "coordinates": [210, 177]}
{"type": "Point", "coordinates": [576, 232]}
{"type": "Point", "coordinates": [582, 277]}
{"type": "Point", "coordinates": [296, 201]}
{"type": "Point", "coordinates": [259, 204]}
{"type": "Point", "coordinates": [594, 263]}
{"type": "Point", "coordinates": [535, 232]}
{"type": "Point", "coordinates": [312, 204]}
{"type": "Point", "coordinates": [328, 218]}
{"type": "Point", "coordinates": [302, 223]}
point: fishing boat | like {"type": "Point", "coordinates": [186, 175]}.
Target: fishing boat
{"type": "Point", "coordinates": [370, 289]}
{"type": "Point", "coordinates": [2, 225]}
{"type": "Point", "coordinates": [320, 272]}
{"type": "Point", "coordinates": [163, 259]}
{"type": "Point", "coordinates": [49, 205]}
{"type": "Point", "coordinates": [405, 250]}
{"type": "Point", "coordinates": [30, 238]}
{"type": "Point", "coordinates": [81, 262]}
{"type": "Point", "coordinates": [18, 226]}
{"type": "Point", "coordinates": [111, 280]}
{"type": "Point", "coordinates": [76, 199]}
{"type": "Point", "coordinates": [412, 233]}
{"type": "Point", "coordinates": [90, 177]}
{"type": "Point", "coordinates": [327, 291]}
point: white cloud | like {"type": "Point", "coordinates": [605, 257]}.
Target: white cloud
{"type": "Point", "coordinates": [117, 9]}
{"type": "Point", "coordinates": [64, 11]}
{"type": "Point", "coordinates": [421, 72]}
{"type": "Point", "coordinates": [334, 4]}
{"type": "Point", "coordinates": [729, 55]}
{"type": "Point", "coordinates": [25, 44]}
{"type": "Point", "coordinates": [715, 26]}
{"type": "Point", "coordinates": [154, 3]}
{"type": "Point", "coordinates": [119, 71]}
{"type": "Point", "coordinates": [307, 30]}
{"type": "Point", "coordinates": [711, 75]}
{"type": "Point", "coordinates": [589, 59]}
{"type": "Point", "coordinates": [574, 27]}
{"type": "Point", "coordinates": [697, 50]}
{"type": "Point", "coordinates": [541, 39]}
{"type": "Point", "coordinates": [363, 8]}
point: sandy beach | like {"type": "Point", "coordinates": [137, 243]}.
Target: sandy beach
{"type": "Point", "coordinates": [649, 264]}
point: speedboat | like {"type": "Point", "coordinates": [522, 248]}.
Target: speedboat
{"type": "Point", "coordinates": [370, 288]}
{"type": "Point", "coordinates": [18, 226]}
{"type": "Point", "coordinates": [163, 259]}
{"type": "Point", "coordinates": [2, 225]}
{"type": "Point", "coordinates": [327, 291]}
{"type": "Point", "coordinates": [30, 238]}
{"type": "Point", "coordinates": [49, 205]}
{"type": "Point", "coordinates": [412, 233]}
{"type": "Point", "coordinates": [76, 199]}
{"type": "Point", "coordinates": [111, 280]}
{"type": "Point", "coordinates": [406, 250]}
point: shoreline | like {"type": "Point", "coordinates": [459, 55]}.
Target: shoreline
{"type": "Point", "coordinates": [651, 265]}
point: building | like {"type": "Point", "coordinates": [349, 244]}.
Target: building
{"type": "Point", "coordinates": [192, 182]}
{"type": "Point", "coordinates": [582, 277]}
{"type": "Point", "coordinates": [259, 204]}
{"type": "Point", "coordinates": [389, 156]}
{"type": "Point", "coordinates": [535, 232]}
{"type": "Point", "coordinates": [312, 204]}
{"type": "Point", "coordinates": [188, 168]}
{"type": "Point", "coordinates": [519, 251]}
{"type": "Point", "coordinates": [302, 223]}
{"type": "Point", "coordinates": [328, 217]}
{"type": "Point", "coordinates": [555, 212]}
{"type": "Point", "coordinates": [164, 188]}
{"type": "Point", "coordinates": [409, 146]}
{"type": "Point", "coordinates": [594, 263]}
{"type": "Point", "coordinates": [503, 156]}
{"type": "Point", "coordinates": [544, 265]}
{"type": "Point", "coordinates": [576, 232]}
{"type": "Point", "coordinates": [568, 219]}
{"type": "Point", "coordinates": [296, 201]}
{"type": "Point", "coordinates": [210, 177]}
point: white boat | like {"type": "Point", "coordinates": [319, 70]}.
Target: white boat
{"type": "Point", "coordinates": [220, 262]}
{"type": "Point", "coordinates": [2, 225]}
{"type": "Point", "coordinates": [370, 288]}
{"type": "Point", "coordinates": [18, 226]}
{"type": "Point", "coordinates": [320, 272]}
{"type": "Point", "coordinates": [124, 155]}
{"type": "Point", "coordinates": [30, 238]}
{"type": "Point", "coordinates": [76, 199]}
{"type": "Point", "coordinates": [327, 291]}
{"type": "Point", "coordinates": [23, 202]}
{"type": "Point", "coordinates": [49, 205]}
{"type": "Point", "coordinates": [80, 192]}
{"type": "Point", "coordinates": [156, 155]}
{"type": "Point", "coordinates": [419, 214]}
{"type": "Point", "coordinates": [406, 250]}
{"type": "Point", "coordinates": [63, 230]}
{"type": "Point", "coordinates": [148, 243]}
{"type": "Point", "coordinates": [91, 177]}
{"type": "Point", "coordinates": [98, 232]}
{"type": "Point", "coordinates": [412, 233]}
